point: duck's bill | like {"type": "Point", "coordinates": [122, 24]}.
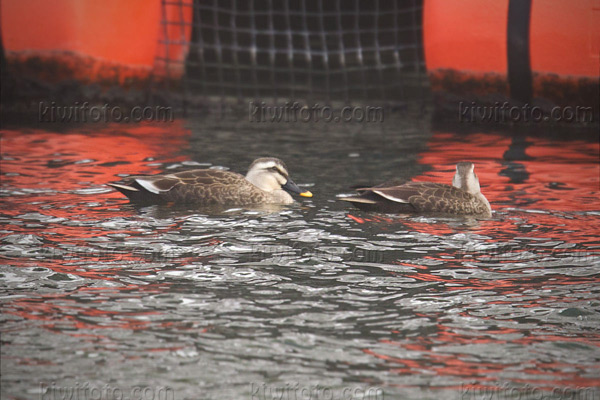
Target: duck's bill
{"type": "Point", "coordinates": [291, 187]}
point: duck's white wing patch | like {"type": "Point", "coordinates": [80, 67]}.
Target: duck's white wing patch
{"type": "Point", "coordinates": [124, 187]}
{"type": "Point", "coordinates": [149, 185]}
{"type": "Point", "coordinates": [391, 197]}
{"type": "Point", "coordinates": [357, 200]}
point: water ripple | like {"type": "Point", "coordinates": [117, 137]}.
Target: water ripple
{"type": "Point", "coordinates": [214, 302]}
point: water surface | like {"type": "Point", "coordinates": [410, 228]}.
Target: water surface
{"type": "Point", "coordinates": [265, 303]}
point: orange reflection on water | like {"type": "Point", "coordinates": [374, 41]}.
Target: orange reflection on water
{"type": "Point", "coordinates": [62, 311]}
{"type": "Point", "coordinates": [51, 166]}
{"type": "Point", "coordinates": [439, 355]}
{"type": "Point", "coordinates": [557, 178]}
{"type": "Point", "coordinates": [563, 175]}
{"type": "Point", "coordinates": [56, 180]}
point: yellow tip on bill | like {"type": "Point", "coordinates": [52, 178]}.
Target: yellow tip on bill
{"type": "Point", "coordinates": [306, 194]}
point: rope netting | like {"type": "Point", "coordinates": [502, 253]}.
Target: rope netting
{"type": "Point", "coordinates": [346, 50]}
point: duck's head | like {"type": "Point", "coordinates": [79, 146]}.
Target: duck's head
{"type": "Point", "coordinates": [270, 174]}
{"type": "Point", "coordinates": [465, 178]}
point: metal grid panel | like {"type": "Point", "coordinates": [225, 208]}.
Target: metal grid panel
{"type": "Point", "coordinates": [349, 50]}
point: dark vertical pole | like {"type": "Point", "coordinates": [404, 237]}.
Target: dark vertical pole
{"type": "Point", "coordinates": [519, 66]}
{"type": "Point", "coordinates": [7, 84]}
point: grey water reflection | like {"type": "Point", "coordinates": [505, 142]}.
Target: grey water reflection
{"type": "Point", "coordinates": [315, 298]}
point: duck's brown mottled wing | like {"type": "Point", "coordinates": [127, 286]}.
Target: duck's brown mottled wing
{"type": "Point", "coordinates": [201, 186]}
{"type": "Point", "coordinates": [390, 183]}
{"type": "Point", "coordinates": [433, 197]}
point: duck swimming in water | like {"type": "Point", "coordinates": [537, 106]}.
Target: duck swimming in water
{"type": "Point", "coordinates": [267, 182]}
{"type": "Point", "coordinates": [464, 197]}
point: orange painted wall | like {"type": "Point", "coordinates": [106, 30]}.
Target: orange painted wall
{"type": "Point", "coordinates": [565, 37]}
{"type": "Point", "coordinates": [115, 30]}
{"type": "Point", "coordinates": [470, 35]}
{"type": "Point", "coordinates": [466, 35]}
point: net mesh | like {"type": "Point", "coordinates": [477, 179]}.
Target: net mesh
{"type": "Point", "coordinates": [348, 50]}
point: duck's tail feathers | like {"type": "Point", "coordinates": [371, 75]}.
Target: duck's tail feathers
{"type": "Point", "coordinates": [137, 194]}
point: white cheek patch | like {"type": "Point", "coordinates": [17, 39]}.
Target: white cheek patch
{"type": "Point", "coordinates": [264, 165]}
{"type": "Point", "coordinates": [149, 186]}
